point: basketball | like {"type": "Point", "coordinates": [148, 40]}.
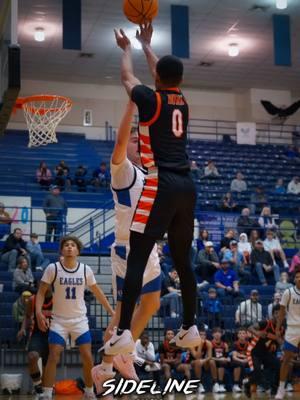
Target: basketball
{"type": "Point", "coordinates": [140, 11]}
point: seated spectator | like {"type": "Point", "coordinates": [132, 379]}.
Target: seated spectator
{"type": "Point", "coordinates": [171, 293]}
{"type": "Point", "coordinates": [5, 221]}
{"type": "Point", "coordinates": [276, 301]}
{"type": "Point", "coordinates": [244, 248]}
{"type": "Point", "coordinates": [202, 356]}
{"type": "Point", "coordinates": [245, 224]}
{"type": "Point", "coordinates": [226, 281]}
{"type": "Point", "coordinates": [254, 235]}
{"type": "Point", "coordinates": [263, 263]}
{"type": "Point", "coordinates": [207, 262]}
{"type": "Point", "coordinates": [279, 187]}
{"type": "Point", "coordinates": [38, 261]}
{"type": "Point", "coordinates": [228, 204]}
{"type": "Point", "coordinates": [291, 152]}
{"type": "Point", "coordinates": [62, 165]}
{"type": "Point", "coordinates": [239, 359]}
{"type": "Point", "coordinates": [295, 261]}
{"type": "Point", "coordinates": [170, 356]}
{"type": "Point", "coordinates": [267, 220]}
{"type": "Point", "coordinates": [219, 361]}
{"type": "Point", "coordinates": [211, 171]}
{"type": "Point", "coordinates": [283, 283]}
{"type": "Point", "coordinates": [80, 179]}
{"type": "Point", "coordinates": [225, 242]}
{"type": "Point", "coordinates": [62, 179]}
{"type": "Point", "coordinates": [273, 246]}
{"type": "Point", "coordinates": [19, 307]}
{"type": "Point", "coordinates": [236, 262]}
{"type": "Point", "coordinates": [145, 351]}
{"type": "Point", "coordinates": [212, 308]}
{"type": "Point", "coordinates": [43, 175]}
{"type": "Point", "coordinates": [258, 200]}
{"type": "Point", "coordinates": [249, 311]}
{"type": "Point", "coordinates": [294, 186]}
{"type": "Point", "coordinates": [238, 184]}
{"type": "Point", "coordinates": [23, 279]}
{"type": "Point", "coordinates": [101, 176]}
{"type": "Point", "coordinates": [14, 247]}
{"type": "Point", "coordinates": [195, 171]}
{"type": "Point", "coordinates": [203, 238]}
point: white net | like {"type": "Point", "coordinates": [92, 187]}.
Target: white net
{"type": "Point", "coordinates": [43, 113]}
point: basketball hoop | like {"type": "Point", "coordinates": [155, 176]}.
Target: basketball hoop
{"type": "Point", "coordinates": [43, 113]}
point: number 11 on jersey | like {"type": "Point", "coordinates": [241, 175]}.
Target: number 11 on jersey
{"type": "Point", "coordinates": [71, 293]}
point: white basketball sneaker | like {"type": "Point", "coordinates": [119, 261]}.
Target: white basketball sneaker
{"type": "Point", "coordinates": [280, 393]}
{"type": "Point", "coordinates": [124, 364]}
{"type": "Point", "coordinates": [119, 344]}
{"type": "Point", "coordinates": [187, 338]}
{"type": "Point", "coordinates": [99, 376]}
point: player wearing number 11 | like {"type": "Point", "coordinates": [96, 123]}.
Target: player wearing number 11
{"type": "Point", "coordinates": [68, 279]}
{"type": "Point", "coordinates": [167, 200]}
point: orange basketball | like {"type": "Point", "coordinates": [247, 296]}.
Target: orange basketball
{"type": "Point", "coordinates": [140, 11]}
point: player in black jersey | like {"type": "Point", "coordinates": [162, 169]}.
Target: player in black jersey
{"type": "Point", "coordinates": [168, 199]}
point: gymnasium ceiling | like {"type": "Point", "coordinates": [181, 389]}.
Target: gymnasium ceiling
{"type": "Point", "coordinates": [210, 22]}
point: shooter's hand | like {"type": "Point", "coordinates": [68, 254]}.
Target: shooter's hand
{"type": "Point", "coordinates": [145, 34]}
{"type": "Point", "coordinates": [122, 40]}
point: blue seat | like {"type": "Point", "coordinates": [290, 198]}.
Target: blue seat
{"type": "Point", "coordinates": [5, 309]}
{"type": "Point", "coordinates": [8, 297]}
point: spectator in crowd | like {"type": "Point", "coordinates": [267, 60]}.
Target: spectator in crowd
{"type": "Point", "coordinates": [283, 283]}
{"type": "Point", "coordinates": [211, 171]}
{"type": "Point", "coordinates": [228, 204]}
{"type": "Point", "coordinates": [203, 238]}
{"type": "Point", "coordinates": [62, 165]}
{"type": "Point", "coordinates": [249, 311]}
{"type": "Point", "coordinates": [267, 220]}
{"type": "Point", "coordinates": [62, 176]}
{"type": "Point", "coordinates": [294, 186]}
{"type": "Point", "coordinates": [171, 293]}
{"type": "Point", "coordinates": [236, 262]}
{"type": "Point", "coordinates": [19, 307]}
{"type": "Point", "coordinates": [5, 221]}
{"type": "Point", "coordinates": [258, 200]}
{"type": "Point", "coordinates": [212, 308]}
{"type": "Point", "coordinates": [254, 235]}
{"type": "Point", "coordinates": [55, 208]}
{"type": "Point", "coordinates": [38, 261]}
{"type": "Point", "coordinates": [239, 359]}
{"type": "Point", "coordinates": [273, 246]}
{"type": "Point", "coordinates": [279, 187]}
{"type": "Point", "coordinates": [276, 301]}
{"type": "Point", "coordinates": [43, 175]}
{"type": "Point", "coordinates": [244, 248]}
{"type": "Point", "coordinates": [219, 361]}
{"type": "Point", "coordinates": [238, 184]}
{"type": "Point", "coordinates": [101, 176]}
{"type": "Point", "coordinates": [225, 242]}
{"type": "Point", "coordinates": [202, 357]}
{"type": "Point", "coordinates": [263, 263]}
{"type": "Point", "coordinates": [245, 224]}
{"type": "Point", "coordinates": [145, 351]}
{"type": "Point", "coordinates": [291, 152]}
{"type": "Point", "coordinates": [23, 279]}
{"type": "Point", "coordinates": [226, 281]}
{"type": "Point", "coordinates": [14, 247]}
{"type": "Point", "coordinates": [195, 170]}
{"type": "Point", "coordinates": [295, 261]}
{"type": "Point", "coordinates": [80, 180]}
{"type": "Point", "coordinates": [170, 356]}
{"type": "Point", "coordinates": [207, 262]}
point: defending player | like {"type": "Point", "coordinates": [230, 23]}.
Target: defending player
{"type": "Point", "coordinates": [127, 184]}
{"type": "Point", "coordinates": [289, 307]}
{"type": "Point", "coordinates": [69, 280]}
{"type": "Point", "coordinates": [168, 198]}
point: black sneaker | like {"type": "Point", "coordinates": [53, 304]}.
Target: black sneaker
{"type": "Point", "coordinates": [38, 389]}
{"type": "Point", "coordinates": [247, 388]}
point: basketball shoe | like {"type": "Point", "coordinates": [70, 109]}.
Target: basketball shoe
{"type": "Point", "coordinates": [119, 344]}
{"type": "Point", "coordinates": [100, 376]}
{"type": "Point", "coordinates": [187, 338]}
{"type": "Point", "coordinates": [124, 364]}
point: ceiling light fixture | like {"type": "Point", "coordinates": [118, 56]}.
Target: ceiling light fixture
{"type": "Point", "coordinates": [281, 4]}
{"type": "Point", "coordinates": [39, 34]}
{"type": "Point", "coordinates": [233, 50]}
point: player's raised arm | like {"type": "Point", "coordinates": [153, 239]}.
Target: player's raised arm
{"type": "Point", "coordinates": [120, 149]}
{"type": "Point", "coordinates": [144, 36]}
{"type": "Point", "coordinates": [127, 75]}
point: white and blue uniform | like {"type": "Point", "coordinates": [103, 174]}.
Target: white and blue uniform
{"type": "Point", "coordinates": [127, 185]}
{"type": "Point", "coordinates": [69, 309]}
{"type": "Point", "coordinates": [291, 301]}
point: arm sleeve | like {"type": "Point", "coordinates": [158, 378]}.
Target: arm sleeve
{"type": "Point", "coordinates": [122, 175]}
{"type": "Point", "coordinates": [49, 274]}
{"type": "Point", "coordinates": [150, 353]}
{"type": "Point", "coordinates": [90, 277]}
{"type": "Point", "coordinates": [285, 298]}
{"type": "Point", "coordinates": [145, 99]}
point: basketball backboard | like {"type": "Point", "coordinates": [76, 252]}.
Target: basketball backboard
{"type": "Point", "coordinates": [10, 81]}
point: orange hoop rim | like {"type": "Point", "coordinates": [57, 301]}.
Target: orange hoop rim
{"type": "Point", "coordinates": [42, 97]}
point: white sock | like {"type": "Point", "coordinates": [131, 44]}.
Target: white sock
{"type": "Point", "coordinates": [281, 385]}
{"type": "Point", "coordinates": [48, 391]}
{"type": "Point", "coordinates": [89, 389]}
{"type": "Point", "coordinates": [108, 367]}
{"type": "Point", "coordinates": [37, 383]}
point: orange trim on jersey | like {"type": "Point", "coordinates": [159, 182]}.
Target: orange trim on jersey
{"type": "Point", "coordinates": [145, 149]}
{"type": "Point", "coordinates": [151, 194]}
{"type": "Point", "coordinates": [175, 89]}
{"type": "Point", "coordinates": [151, 182]}
{"type": "Point", "coordinates": [141, 218]}
{"type": "Point", "coordinates": [157, 112]}
{"type": "Point", "coordinates": [145, 139]}
{"type": "Point", "coordinates": [144, 205]}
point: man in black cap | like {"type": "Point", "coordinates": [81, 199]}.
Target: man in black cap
{"type": "Point", "coordinates": [56, 208]}
{"type": "Point", "coordinates": [263, 263]}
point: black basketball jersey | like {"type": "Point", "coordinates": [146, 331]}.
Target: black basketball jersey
{"type": "Point", "coordinates": [163, 120]}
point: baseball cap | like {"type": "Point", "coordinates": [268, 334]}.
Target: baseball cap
{"type": "Point", "coordinates": [26, 293]}
{"type": "Point", "coordinates": [209, 244]}
{"type": "Point", "coordinates": [210, 290]}
{"type": "Point", "coordinates": [52, 187]}
{"type": "Point", "coordinates": [224, 261]}
{"type": "Point", "coordinates": [254, 291]}
{"type": "Point", "coordinates": [233, 242]}
{"type": "Point", "coordinates": [259, 241]}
